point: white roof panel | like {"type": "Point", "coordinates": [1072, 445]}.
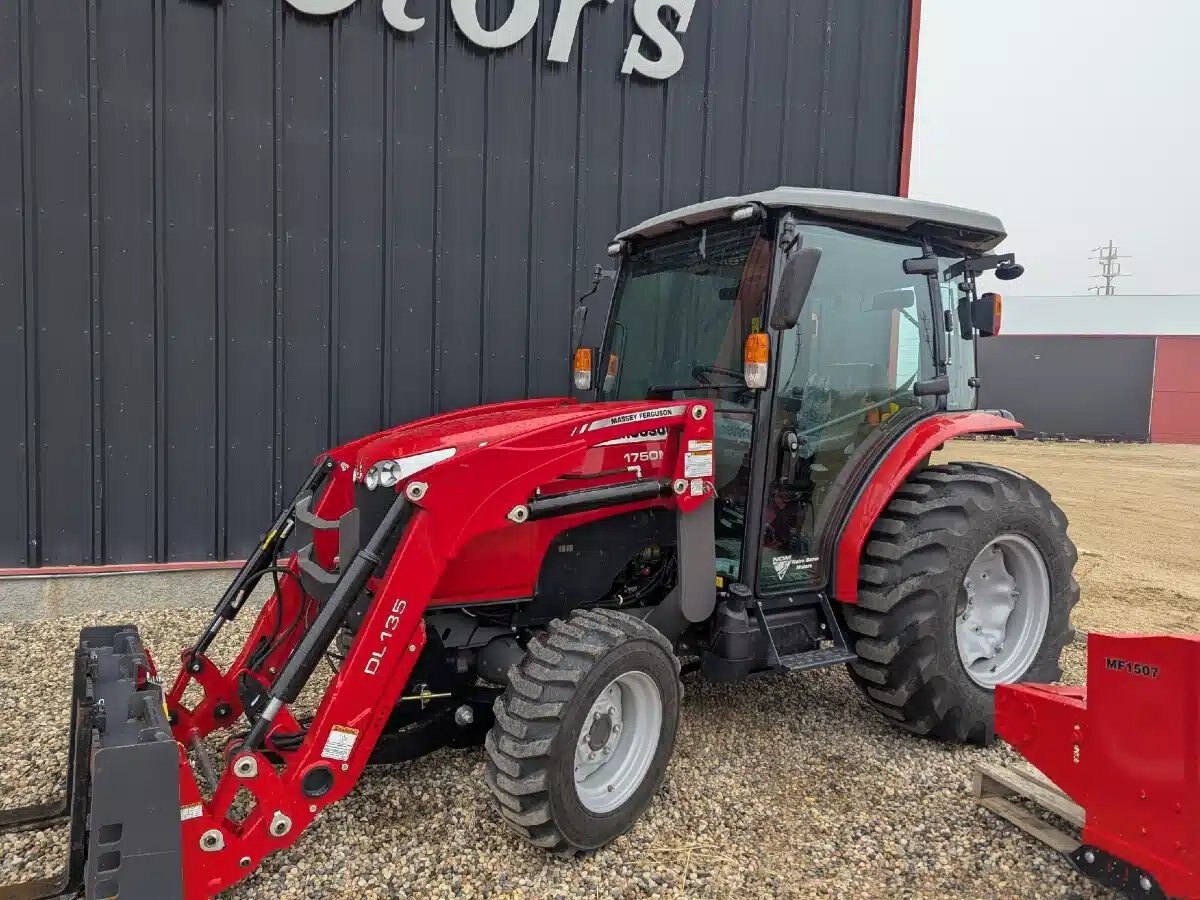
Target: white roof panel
{"type": "Point", "coordinates": [977, 230]}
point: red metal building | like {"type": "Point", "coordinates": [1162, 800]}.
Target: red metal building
{"type": "Point", "coordinates": [1175, 398]}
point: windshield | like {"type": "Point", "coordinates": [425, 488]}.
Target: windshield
{"type": "Point", "coordinates": [682, 311]}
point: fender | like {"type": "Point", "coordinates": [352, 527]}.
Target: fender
{"type": "Point", "coordinates": [906, 454]}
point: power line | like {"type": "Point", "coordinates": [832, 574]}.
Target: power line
{"type": "Point", "coordinates": [1110, 269]}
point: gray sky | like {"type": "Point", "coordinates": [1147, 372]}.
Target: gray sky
{"type": "Point", "coordinates": [1075, 121]}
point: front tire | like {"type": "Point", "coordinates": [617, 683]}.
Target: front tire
{"type": "Point", "coordinates": [584, 731]}
{"type": "Point", "coordinates": [966, 582]}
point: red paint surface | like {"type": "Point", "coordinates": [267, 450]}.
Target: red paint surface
{"type": "Point", "coordinates": [921, 440]}
{"type": "Point", "coordinates": [1137, 729]}
{"type": "Point", "coordinates": [1175, 406]}
{"type": "Point", "coordinates": [910, 97]}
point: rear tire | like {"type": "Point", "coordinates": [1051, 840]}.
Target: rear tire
{"type": "Point", "coordinates": [555, 705]}
{"type": "Point", "coordinates": [911, 594]}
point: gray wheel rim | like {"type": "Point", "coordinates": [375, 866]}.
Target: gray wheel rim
{"type": "Point", "coordinates": [617, 742]}
{"type": "Point", "coordinates": [1003, 611]}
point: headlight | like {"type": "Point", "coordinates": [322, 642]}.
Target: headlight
{"type": "Point", "coordinates": [390, 472]}
{"type": "Point", "coordinates": [387, 473]}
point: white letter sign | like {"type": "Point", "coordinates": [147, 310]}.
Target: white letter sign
{"type": "Point", "coordinates": [398, 17]}
{"type": "Point", "coordinates": [565, 28]}
{"type": "Point", "coordinates": [524, 16]}
{"type": "Point", "coordinates": [645, 13]}
{"type": "Point", "coordinates": [321, 7]}
{"type": "Point", "coordinates": [520, 22]}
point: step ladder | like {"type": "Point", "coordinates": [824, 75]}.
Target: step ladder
{"type": "Point", "coordinates": [834, 653]}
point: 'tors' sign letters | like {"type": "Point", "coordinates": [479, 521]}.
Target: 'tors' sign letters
{"type": "Point", "coordinates": [524, 16]}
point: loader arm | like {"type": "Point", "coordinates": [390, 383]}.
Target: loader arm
{"type": "Point", "coordinates": [295, 766]}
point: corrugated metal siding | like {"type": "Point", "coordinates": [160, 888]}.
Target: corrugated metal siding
{"type": "Point", "coordinates": [1077, 387]}
{"type": "Point", "coordinates": [231, 236]}
{"type": "Point", "coordinates": [1175, 410]}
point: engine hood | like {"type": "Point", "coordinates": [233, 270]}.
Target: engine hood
{"type": "Point", "coordinates": [470, 429]}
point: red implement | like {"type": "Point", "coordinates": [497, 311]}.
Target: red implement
{"type": "Point", "coordinates": [1126, 749]}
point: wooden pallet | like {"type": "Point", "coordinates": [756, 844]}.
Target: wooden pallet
{"type": "Point", "coordinates": [993, 786]}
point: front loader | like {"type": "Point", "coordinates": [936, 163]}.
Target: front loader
{"type": "Point", "coordinates": [741, 485]}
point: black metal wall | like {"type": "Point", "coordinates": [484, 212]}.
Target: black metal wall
{"type": "Point", "coordinates": [232, 235]}
{"type": "Point", "coordinates": [1075, 387]}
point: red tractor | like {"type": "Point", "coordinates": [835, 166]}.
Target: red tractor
{"type": "Point", "coordinates": [745, 487]}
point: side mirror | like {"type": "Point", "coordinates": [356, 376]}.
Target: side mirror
{"type": "Point", "coordinates": [794, 285]}
{"type": "Point", "coordinates": [579, 318]}
{"type": "Point", "coordinates": [986, 314]}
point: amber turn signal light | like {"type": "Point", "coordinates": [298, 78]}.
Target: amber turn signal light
{"type": "Point", "coordinates": [583, 369]}
{"type": "Point", "coordinates": [755, 359]}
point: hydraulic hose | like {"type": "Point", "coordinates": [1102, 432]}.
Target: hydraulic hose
{"type": "Point", "coordinates": [262, 557]}
{"type": "Point", "coordinates": [300, 665]}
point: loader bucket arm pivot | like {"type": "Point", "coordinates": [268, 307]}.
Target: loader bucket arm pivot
{"type": "Point", "coordinates": [1127, 749]}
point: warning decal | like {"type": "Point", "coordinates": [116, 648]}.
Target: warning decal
{"type": "Point", "coordinates": [339, 743]}
{"type": "Point", "coordinates": [698, 465]}
{"type": "Point", "coordinates": [191, 811]}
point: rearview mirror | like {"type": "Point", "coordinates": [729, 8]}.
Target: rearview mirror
{"type": "Point", "coordinates": [921, 265]}
{"type": "Point", "coordinates": [794, 285]}
{"type": "Point", "coordinates": [892, 301]}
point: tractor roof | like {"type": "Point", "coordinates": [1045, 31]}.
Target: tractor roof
{"type": "Point", "coordinates": [973, 232]}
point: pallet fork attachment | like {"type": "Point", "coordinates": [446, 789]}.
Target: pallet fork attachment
{"type": "Point", "coordinates": [122, 796]}
{"type": "Point", "coordinates": [1126, 749]}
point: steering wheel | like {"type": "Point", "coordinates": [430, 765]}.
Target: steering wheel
{"type": "Point", "coordinates": [701, 373]}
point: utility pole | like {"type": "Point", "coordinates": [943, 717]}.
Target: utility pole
{"type": "Point", "coordinates": [1110, 269]}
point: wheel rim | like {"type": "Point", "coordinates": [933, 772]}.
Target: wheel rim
{"type": "Point", "coordinates": [617, 742]}
{"type": "Point", "coordinates": [1003, 610]}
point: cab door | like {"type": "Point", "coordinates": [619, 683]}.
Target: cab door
{"type": "Point", "coordinates": [843, 381]}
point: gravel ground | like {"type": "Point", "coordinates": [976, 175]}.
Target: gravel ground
{"type": "Point", "coordinates": [783, 786]}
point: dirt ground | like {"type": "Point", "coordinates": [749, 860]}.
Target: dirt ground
{"type": "Point", "coordinates": [1135, 517]}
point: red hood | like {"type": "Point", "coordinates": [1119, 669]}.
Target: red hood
{"type": "Point", "coordinates": [470, 428]}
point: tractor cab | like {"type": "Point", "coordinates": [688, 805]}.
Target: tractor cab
{"type": "Point", "coordinates": [820, 324]}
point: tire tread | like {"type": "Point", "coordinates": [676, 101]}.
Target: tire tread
{"type": "Point", "coordinates": [892, 625]}
{"type": "Point", "coordinates": [529, 715]}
